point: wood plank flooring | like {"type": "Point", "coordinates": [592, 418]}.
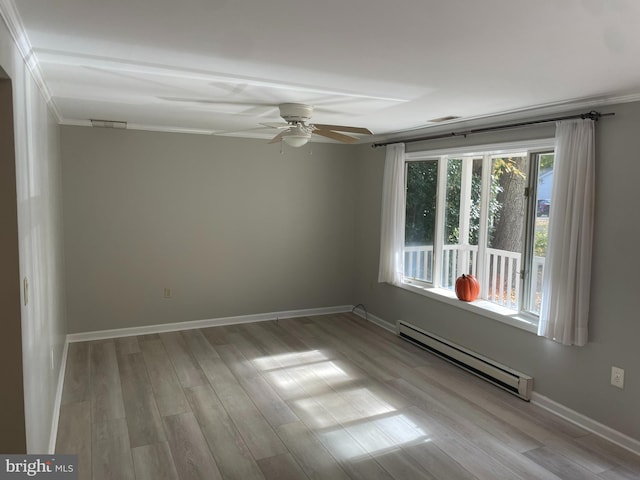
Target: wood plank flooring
{"type": "Point", "coordinates": [330, 397]}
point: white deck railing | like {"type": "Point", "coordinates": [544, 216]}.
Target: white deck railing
{"type": "Point", "coordinates": [501, 274]}
{"type": "Point", "coordinates": [502, 277]}
{"type": "Point", "coordinates": [535, 293]}
{"type": "Point", "coordinates": [418, 262]}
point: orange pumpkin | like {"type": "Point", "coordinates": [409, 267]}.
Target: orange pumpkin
{"type": "Point", "coordinates": [467, 288]}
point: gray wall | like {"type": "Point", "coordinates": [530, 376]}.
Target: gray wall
{"type": "Point", "coordinates": [232, 226]}
{"type": "Point", "coordinates": [40, 239]}
{"type": "Point", "coordinates": [575, 377]}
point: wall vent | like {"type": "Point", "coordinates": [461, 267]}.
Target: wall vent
{"type": "Point", "coordinates": [504, 377]}
{"type": "Point", "coordinates": [108, 123]}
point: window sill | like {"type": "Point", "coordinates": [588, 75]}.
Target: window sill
{"type": "Point", "coordinates": [479, 307]}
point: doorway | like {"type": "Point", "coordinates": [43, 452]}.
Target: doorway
{"type": "Point", "coordinates": [12, 421]}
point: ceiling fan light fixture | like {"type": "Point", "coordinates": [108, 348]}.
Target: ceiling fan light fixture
{"type": "Point", "coordinates": [297, 135]}
{"type": "Point", "coordinates": [296, 139]}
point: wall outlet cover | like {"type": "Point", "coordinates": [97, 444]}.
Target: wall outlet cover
{"type": "Point", "coordinates": [617, 377]}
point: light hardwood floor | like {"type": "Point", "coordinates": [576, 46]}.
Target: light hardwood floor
{"type": "Point", "coordinates": [329, 397]}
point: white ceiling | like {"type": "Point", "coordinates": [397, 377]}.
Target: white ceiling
{"type": "Point", "coordinates": [220, 66]}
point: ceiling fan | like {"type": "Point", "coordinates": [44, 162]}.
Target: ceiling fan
{"type": "Point", "coordinates": [297, 131]}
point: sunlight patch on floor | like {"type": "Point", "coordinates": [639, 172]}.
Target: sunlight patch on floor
{"type": "Point", "coordinates": [373, 437]}
{"type": "Point", "coordinates": [289, 359]}
{"type": "Point", "coordinates": [338, 408]}
{"type": "Point", "coordinates": [302, 372]}
{"type": "Point", "coordinates": [350, 420]}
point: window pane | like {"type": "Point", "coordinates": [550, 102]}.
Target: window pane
{"type": "Point", "coordinates": [450, 242]}
{"type": "Point", "coordinates": [470, 259]}
{"type": "Point", "coordinates": [422, 183]}
{"type": "Point", "coordinates": [476, 193]}
{"type": "Point", "coordinates": [541, 228]}
{"type": "Point", "coordinates": [461, 219]}
{"type": "Point", "coordinates": [507, 210]}
{"type": "Point", "coordinates": [452, 199]}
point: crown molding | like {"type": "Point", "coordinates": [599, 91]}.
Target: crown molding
{"type": "Point", "coordinates": [14, 24]}
{"type": "Point", "coordinates": [144, 127]}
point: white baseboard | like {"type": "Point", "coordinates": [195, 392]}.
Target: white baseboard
{"type": "Point", "coordinates": [375, 320]}
{"type": "Point", "coordinates": [58, 400]}
{"type": "Point", "coordinates": [556, 408]}
{"type": "Point", "coordinates": [587, 423]}
{"type": "Point", "coordinates": [213, 322]}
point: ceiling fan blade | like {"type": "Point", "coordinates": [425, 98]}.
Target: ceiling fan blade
{"type": "Point", "coordinates": [257, 129]}
{"type": "Point", "coordinates": [211, 101]}
{"type": "Point", "coordinates": [278, 138]}
{"type": "Point", "coordinates": [343, 128]}
{"type": "Point", "coordinates": [207, 101]}
{"type": "Point", "coordinates": [276, 124]}
{"type": "Point", "coordinates": [335, 136]}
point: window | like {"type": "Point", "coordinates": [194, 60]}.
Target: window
{"type": "Point", "coordinates": [482, 213]}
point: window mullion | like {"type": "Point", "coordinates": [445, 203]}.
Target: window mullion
{"type": "Point", "coordinates": [529, 233]}
{"type": "Point", "coordinates": [465, 216]}
{"type": "Point", "coordinates": [485, 196]}
{"type": "Point", "coordinates": [439, 234]}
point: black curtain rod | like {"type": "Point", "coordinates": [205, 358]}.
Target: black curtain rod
{"type": "Point", "coordinates": [592, 115]}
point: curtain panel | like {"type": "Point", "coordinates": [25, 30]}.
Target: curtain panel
{"type": "Point", "coordinates": [392, 222]}
{"type": "Point", "coordinates": [567, 273]}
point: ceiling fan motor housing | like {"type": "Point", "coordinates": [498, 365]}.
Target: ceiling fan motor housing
{"type": "Point", "coordinates": [296, 112]}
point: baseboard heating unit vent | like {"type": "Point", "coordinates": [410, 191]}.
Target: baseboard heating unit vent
{"type": "Point", "coordinates": [504, 377]}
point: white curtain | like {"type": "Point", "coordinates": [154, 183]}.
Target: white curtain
{"type": "Point", "coordinates": [392, 228]}
{"type": "Point", "coordinates": [567, 272]}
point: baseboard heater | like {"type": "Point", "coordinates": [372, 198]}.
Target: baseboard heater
{"type": "Point", "coordinates": [504, 377]}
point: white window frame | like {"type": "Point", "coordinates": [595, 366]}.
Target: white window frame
{"type": "Point", "coordinates": [521, 319]}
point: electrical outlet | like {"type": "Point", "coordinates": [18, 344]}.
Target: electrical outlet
{"type": "Point", "coordinates": [617, 377]}
{"type": "Point", "coordinates": [167, 293]}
